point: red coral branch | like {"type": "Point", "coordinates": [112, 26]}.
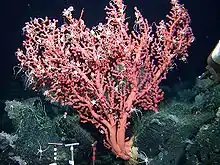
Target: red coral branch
{"type": "Point", "coordinates": [105, 72]}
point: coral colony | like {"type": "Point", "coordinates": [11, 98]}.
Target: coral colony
{"type": "Point", "coordinates": [107, 72]}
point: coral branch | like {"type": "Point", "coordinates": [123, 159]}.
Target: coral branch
{"type": "Point", "coordinates": [106, 71]}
